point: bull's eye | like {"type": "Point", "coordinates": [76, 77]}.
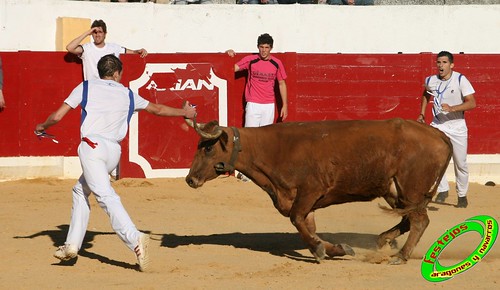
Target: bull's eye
{"type": "Point", "coordinates": [208, 149]}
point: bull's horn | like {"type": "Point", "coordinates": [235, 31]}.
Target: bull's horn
{"type": "Point", "coordinates": [198, 128]}
{"type": "Point", "coordinates": [190, 123]}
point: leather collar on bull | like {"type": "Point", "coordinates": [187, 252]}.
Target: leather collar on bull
{"type": "Point", "coordinates": [222, 167]}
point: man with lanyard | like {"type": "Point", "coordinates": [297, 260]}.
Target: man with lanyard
{"type": "Point", "coordinates": [452, 94]}
{"type": "Point", "coordinates": [106, 110]}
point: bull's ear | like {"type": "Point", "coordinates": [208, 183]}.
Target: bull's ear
{"type": "Point", "coordinates": [213, 128]}
{"type": "Point", "coordinates": [223, 139]}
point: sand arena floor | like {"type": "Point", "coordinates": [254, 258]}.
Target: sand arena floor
{"type": "Point", "coordinates": [225, 235]}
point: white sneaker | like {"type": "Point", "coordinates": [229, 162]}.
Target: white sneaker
{"type": "Point", "coordinates": [142, 252]}
{"type": "Point", "coordinates": [66, 252]}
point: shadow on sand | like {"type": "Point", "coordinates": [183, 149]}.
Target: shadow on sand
{"type": "Point", "coordinates": [278, 244]}
{"type": "Point", "coordinates": [58, 238]}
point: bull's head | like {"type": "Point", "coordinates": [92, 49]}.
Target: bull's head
{"type": "Point", "coordinates": [212, 157]}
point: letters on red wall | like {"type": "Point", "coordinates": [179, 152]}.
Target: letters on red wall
{"type": "Point", "coordinates": [320, 87]}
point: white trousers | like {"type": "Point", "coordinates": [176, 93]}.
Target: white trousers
{"type": "Point", "coordinates": [97, 163]}
{"type": "Point", "coordinates": [258, 115]}
{"type": "Point", "coordinates": [456, 130]}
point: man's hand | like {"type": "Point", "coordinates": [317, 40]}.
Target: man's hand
{"type": "Point", "coordinates": [39, 128]}
{"type": "Point", "coordinates": [421, 118]}
{"type": "Point", "coordinates": [189, 110]}
{"type": "Point", "coordinates": [91, 30]}
{"type": "Point", "coordinates": [284, 113]}
{"type": "Point", "coordinates": [142, 52]}
{"type": "Point", "coordinates": [2, 101]}
{"type": "Point", "coordinates": [446, 108]}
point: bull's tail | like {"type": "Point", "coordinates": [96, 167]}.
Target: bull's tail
{"type": "Point", "coordinates": [442, 172]}
{"type": "Point", "coordinates": [448, 143]}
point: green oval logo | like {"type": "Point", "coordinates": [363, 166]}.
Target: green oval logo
{"type": "Point", "coordinates": [433, 271]}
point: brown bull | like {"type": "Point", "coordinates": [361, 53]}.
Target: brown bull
{"type": "Point", "coordinates": [310, 165]}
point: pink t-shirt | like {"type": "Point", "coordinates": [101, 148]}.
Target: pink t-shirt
{"type": "Point", "coordinates": [261, 78]}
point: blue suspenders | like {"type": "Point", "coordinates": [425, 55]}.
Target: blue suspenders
{"type": "Point", "coordinates": [131, 106]}
{"type": "Point", "coordinates": [83, 104]}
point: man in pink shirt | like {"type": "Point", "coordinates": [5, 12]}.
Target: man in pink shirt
{"type": "Point", "coordinates": [263, 71]}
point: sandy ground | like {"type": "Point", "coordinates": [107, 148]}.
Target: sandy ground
{"type": "Point", "coordinates": [225, 235]}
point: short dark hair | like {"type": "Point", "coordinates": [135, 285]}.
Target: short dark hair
{"type": "Point", "coordinates": [265, 39]}
{"type": "Point", "coordinates": [108, 65]}
{"type": "Point", "coordinates": [100, 23]}
{"type": "Point", "coordinates": [447, 54]}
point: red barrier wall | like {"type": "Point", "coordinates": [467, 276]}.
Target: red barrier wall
{"type": "Point", "coordinates": [35, 84]}
{"type": "Point", "coordinates": [380, 86]}
{"type": "Point", "coordinates": [321, 87]}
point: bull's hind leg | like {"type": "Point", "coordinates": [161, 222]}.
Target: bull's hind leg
{"type": "Point", "coordinates": [330, 249]}
{"type": "Point", "coordinates": [389, 236]}
{"type": "Point", "coordinates": [419, 220]}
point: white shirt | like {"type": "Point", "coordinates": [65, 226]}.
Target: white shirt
{"type": "Point", "coordinates": [452, 92]}
{"type": "Point", "coordinates": [106, 110]}
{"type": "Point", "coordinates": [92, 54]}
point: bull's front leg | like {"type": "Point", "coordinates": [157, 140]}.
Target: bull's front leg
{"type": "Point", "coordinates": [308, 234]}
{"type": "Point", "coordinates": [330, 249]}
{"type": "Point", "coordinates": [302, 218]}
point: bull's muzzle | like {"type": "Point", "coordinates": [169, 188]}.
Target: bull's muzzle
{"type": "Point", "coordinates": [193, 181]}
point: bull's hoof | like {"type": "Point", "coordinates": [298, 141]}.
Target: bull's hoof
{"type": "Point", "coordinates": [396, 260]}
{"type": "Point", "coordinates": [348, 250]}
{"type": "Point", "coordinates": [338, 250]}
{"type": "Point", "coordinates": [319, 252]}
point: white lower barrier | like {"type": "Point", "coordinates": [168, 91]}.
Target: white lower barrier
{"type": "Point", "coordinates": [482, 168]}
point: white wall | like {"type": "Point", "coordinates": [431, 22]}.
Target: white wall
{"type": "Point", "coordinates": [161, 28]}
